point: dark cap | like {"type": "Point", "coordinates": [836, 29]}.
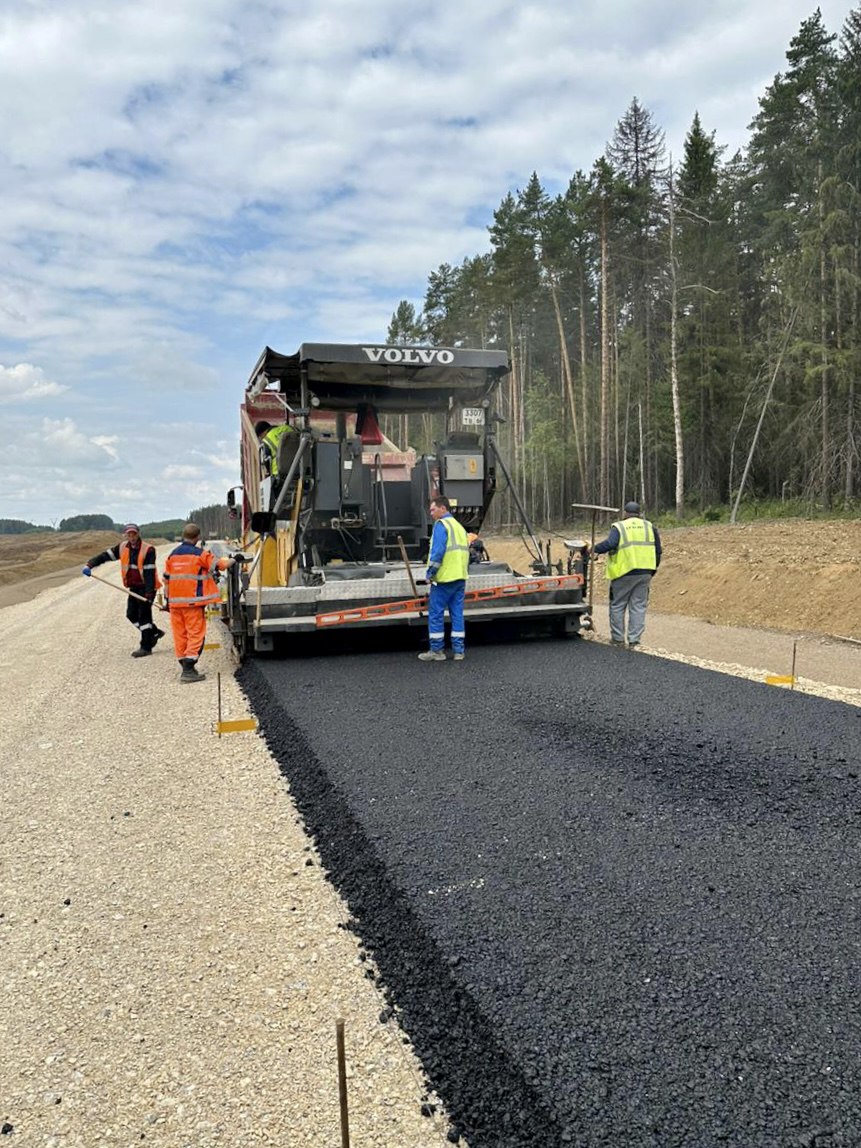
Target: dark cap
{"type": "Point", "coordinates": [262, 426]}
{"type": "Point", "coordinates": [632, 508]}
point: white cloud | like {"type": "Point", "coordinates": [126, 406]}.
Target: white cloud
{"type": "Point", "coordinates": [25, 383]}
{"type": "Point", "coordinates": [181, 473]}
{"type": "Point", "coordinates": [60, 444]}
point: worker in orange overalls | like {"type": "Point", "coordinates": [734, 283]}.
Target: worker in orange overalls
{"type": "Point", "coordinates": [189, 588]}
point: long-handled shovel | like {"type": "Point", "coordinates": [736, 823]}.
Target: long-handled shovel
{"type": "Point", "coordinates": [126, 591]}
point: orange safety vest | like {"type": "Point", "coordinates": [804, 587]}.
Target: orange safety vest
{"type": "Point", "coordinates": [143, 550]}
{"type": "Point", "coordinates": [189, 580]}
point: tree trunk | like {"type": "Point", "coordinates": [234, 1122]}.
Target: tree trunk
{"type": "Point", "coordinates": [604, 437]}
{"type": "Point", "coordinates": [674, 370]}
{"type": "Point", "coordinates": [569, 382]}
{"type": "Point", "coordinates": [851, 447]}
{"type": "Point", "coordinates": [825, 460]}
{"type": "Point", "coordinates": [584, 382]}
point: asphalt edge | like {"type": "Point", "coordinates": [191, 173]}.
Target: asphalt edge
{"type": "Point", "coordinates": [488, 1099]}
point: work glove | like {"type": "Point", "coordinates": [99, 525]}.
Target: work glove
{"type": "Point", "coordinates": [86, 572]}
{"type": "Point", "coordinates": [150, 598]}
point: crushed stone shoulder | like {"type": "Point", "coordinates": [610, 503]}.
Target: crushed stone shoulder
{"type": "Point", "coordinates": [174, 958]}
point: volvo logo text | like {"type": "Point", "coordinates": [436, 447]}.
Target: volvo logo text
{"type": "Point", "coordinates": [418, 355]}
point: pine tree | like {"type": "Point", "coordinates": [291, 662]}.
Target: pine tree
{"type": "Point", "coordinates": [846, 240]}
{"type": "Point", "coordinates": [708, 355]}
{"type": "Point", "coordinates": [406, 328]}
{"type": "Point", "coordinates": [547, 222]}
{"type": "Point", "coordinates": [792, 151]}
{"type": "Point", "coordinates": [515, 278]}
{"type": "Point", "coordinates": [637, 156]}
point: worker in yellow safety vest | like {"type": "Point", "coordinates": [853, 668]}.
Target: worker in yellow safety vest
{"type": "Point", "coordinates": [633, 549]}
{"type": "Point", "coordinates": [448, 564]}
{"type": "Point", "coordinates": [270, 437]}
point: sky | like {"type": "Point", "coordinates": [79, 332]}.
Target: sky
{"type": "Point", "coordinates": [183, 183]}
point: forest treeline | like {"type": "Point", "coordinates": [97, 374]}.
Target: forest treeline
{"type": "Point", "coordinates": [214, 522]}
{"type": "Point", "coordinates": [685, 333]}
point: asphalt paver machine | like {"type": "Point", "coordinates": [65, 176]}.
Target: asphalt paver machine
{"type": "Point", "coordinates": [336, 526]}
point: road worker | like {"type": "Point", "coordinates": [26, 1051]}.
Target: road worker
{"type": "Point", "coordinates": [189, 588]}
{"type": "Point", "coordinates": [140, 575]}
{"type": "Point", "coordinates": [270, 437]}
{"type": "Point", "coordinates": [477, 549]}
{"type": "Point", "coordinates": [633, 549]}
{"type": "Point", "coordinates": [447, 572]}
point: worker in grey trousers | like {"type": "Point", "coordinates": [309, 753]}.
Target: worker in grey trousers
{"type": "Point", "coordinates": [633, 549]}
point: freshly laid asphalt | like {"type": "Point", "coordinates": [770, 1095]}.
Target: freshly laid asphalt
{"type": "Point", "coordinates": [614, 899]}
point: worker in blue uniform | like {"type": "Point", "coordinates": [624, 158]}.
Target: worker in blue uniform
{"type": "Point", "coordinates": [448, 563]}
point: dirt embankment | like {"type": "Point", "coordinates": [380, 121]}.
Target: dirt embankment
{"type": "Point", "coordinates": [31, 563]}
{"type": "Point", "coordinates": [24, 556]}
{"type": "Point", "coordinates": [793, 575]}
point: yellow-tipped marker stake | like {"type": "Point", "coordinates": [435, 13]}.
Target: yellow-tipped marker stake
{"type": "Point", "coordinates": [236, 726]}
{"type": "Point", "coordinates": [784, 679]}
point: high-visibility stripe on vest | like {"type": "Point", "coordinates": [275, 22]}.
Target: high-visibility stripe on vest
{"type": "Point", "coordinates": [144, 550]}
{"type": "Point", "coordinates": [636, 549]}
{"type": "Point", "coordinates": [455, 563]}
{"type": "Point", "coordinates": [273, 438]}
{"type": "Point", "coordinates": [188, 578]}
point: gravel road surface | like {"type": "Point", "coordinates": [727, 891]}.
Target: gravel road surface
{"type": "Point", "coordinates": [173, 958]}
{"type": "Point", "coordinates": [614, 898]}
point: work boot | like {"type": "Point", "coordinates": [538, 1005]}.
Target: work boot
{"type": "Point", "coordinates": [189, 671]}
{"type": "Point", "coordinates": [432, 656]}
{"type": "Point", "coordinates": [141, 652]}
{"type": "Point", "coordinates": [158, 634]}
{"type": "Point", "coordinates": [459, 657]}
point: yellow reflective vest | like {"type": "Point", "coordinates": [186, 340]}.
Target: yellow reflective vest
{"type": "Point", "coordinates": [636, 549]}
{"type": "Point", "coordinates": [455, 563]}
{"type": "Point", "coordinates": [273, 438]}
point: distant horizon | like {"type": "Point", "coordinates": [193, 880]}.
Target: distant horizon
{"type": "Point", "coordinates": [118, 524]}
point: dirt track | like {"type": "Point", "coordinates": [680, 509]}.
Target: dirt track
{"type": "Point", "coordinates": [27, 556]}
